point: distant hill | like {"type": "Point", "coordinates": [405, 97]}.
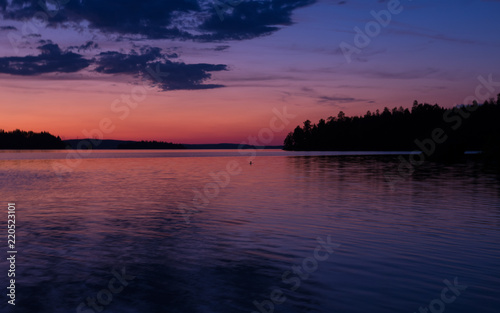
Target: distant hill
{"type": "Point", "coordinates": [150, 145]}
{"type": "Point", "coordinates": [19, 139]}
{"type": "Point", "coordinates": [110, 144]}
{"type": "Point", "coordinates": [129, 144]}
{"type": "Point", "coordinates": [103, 144]}
{"type": "Point", "coordinates": [228, 146]}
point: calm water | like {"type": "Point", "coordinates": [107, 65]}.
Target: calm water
{"type": "Point", "coordinates": [392, 246]}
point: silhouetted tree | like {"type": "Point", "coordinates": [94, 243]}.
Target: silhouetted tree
{"type": "Point", "coordinates": [19, 139]}
{"type": "Point", "coordinates": [473, 127]}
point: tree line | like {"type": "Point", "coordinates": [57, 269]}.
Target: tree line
{"type": "Point", "coordinates": [19, 139]}
{"type": "Point", "coordinates": [150, 145]}
{"type": "Point", "coordinates": [466, 127]}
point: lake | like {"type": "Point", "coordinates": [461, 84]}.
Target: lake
{"type": "Point", "coordinates": [205, 231]}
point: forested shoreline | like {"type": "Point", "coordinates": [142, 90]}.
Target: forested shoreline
{"type": "Point", "coordinates": [466, 127]}
{"type": "Point", "coordinates": [19, 140]}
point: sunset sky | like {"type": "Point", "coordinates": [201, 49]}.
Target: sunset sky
{"type": "Point", "coordinates": [230, 62]}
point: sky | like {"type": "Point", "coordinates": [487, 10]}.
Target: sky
{"type": "Point", "coordinates": [213, 71]}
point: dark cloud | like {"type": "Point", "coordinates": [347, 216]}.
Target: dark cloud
{"type": "Point", "coordinates": [50, 60]}
{"type": "Point", "coordinates": [222, 48]}
{"type": "Point", "coordinates": [337, 100]}
{"type": "Point", "coordinates": [154, 66]}
{"type": "Point", "coordinates": [187, 76]}
{"type": "Point", "coordinates": [50, 49]}
{"type": "Point", "coordinates": [43, 41]}
{"type": "Point", "coordinates": [112, 62]}
{"type": "Point", "coordinates": [3, 4]}
{"type": "Point", "coordinates": [147, 62]}
{"type": "Point", "coordinates": [8, 28]}
{"type": "Point", "coordinates": [23, 10]}
{"type": "Point", "coordinates": [173, 19]}
{"type": "Point", "coordinates": [88, 46]}
{"type": "Point", "coordinates": [250, 19]}
{"type": "Point", "coordinates": [151, 18]}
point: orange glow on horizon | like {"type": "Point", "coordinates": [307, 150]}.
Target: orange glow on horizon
{"type": "Point", "coordinates": [72, 108]}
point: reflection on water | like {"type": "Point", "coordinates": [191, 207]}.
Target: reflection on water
{"type": "Point", "coordinates": [396, 245]}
